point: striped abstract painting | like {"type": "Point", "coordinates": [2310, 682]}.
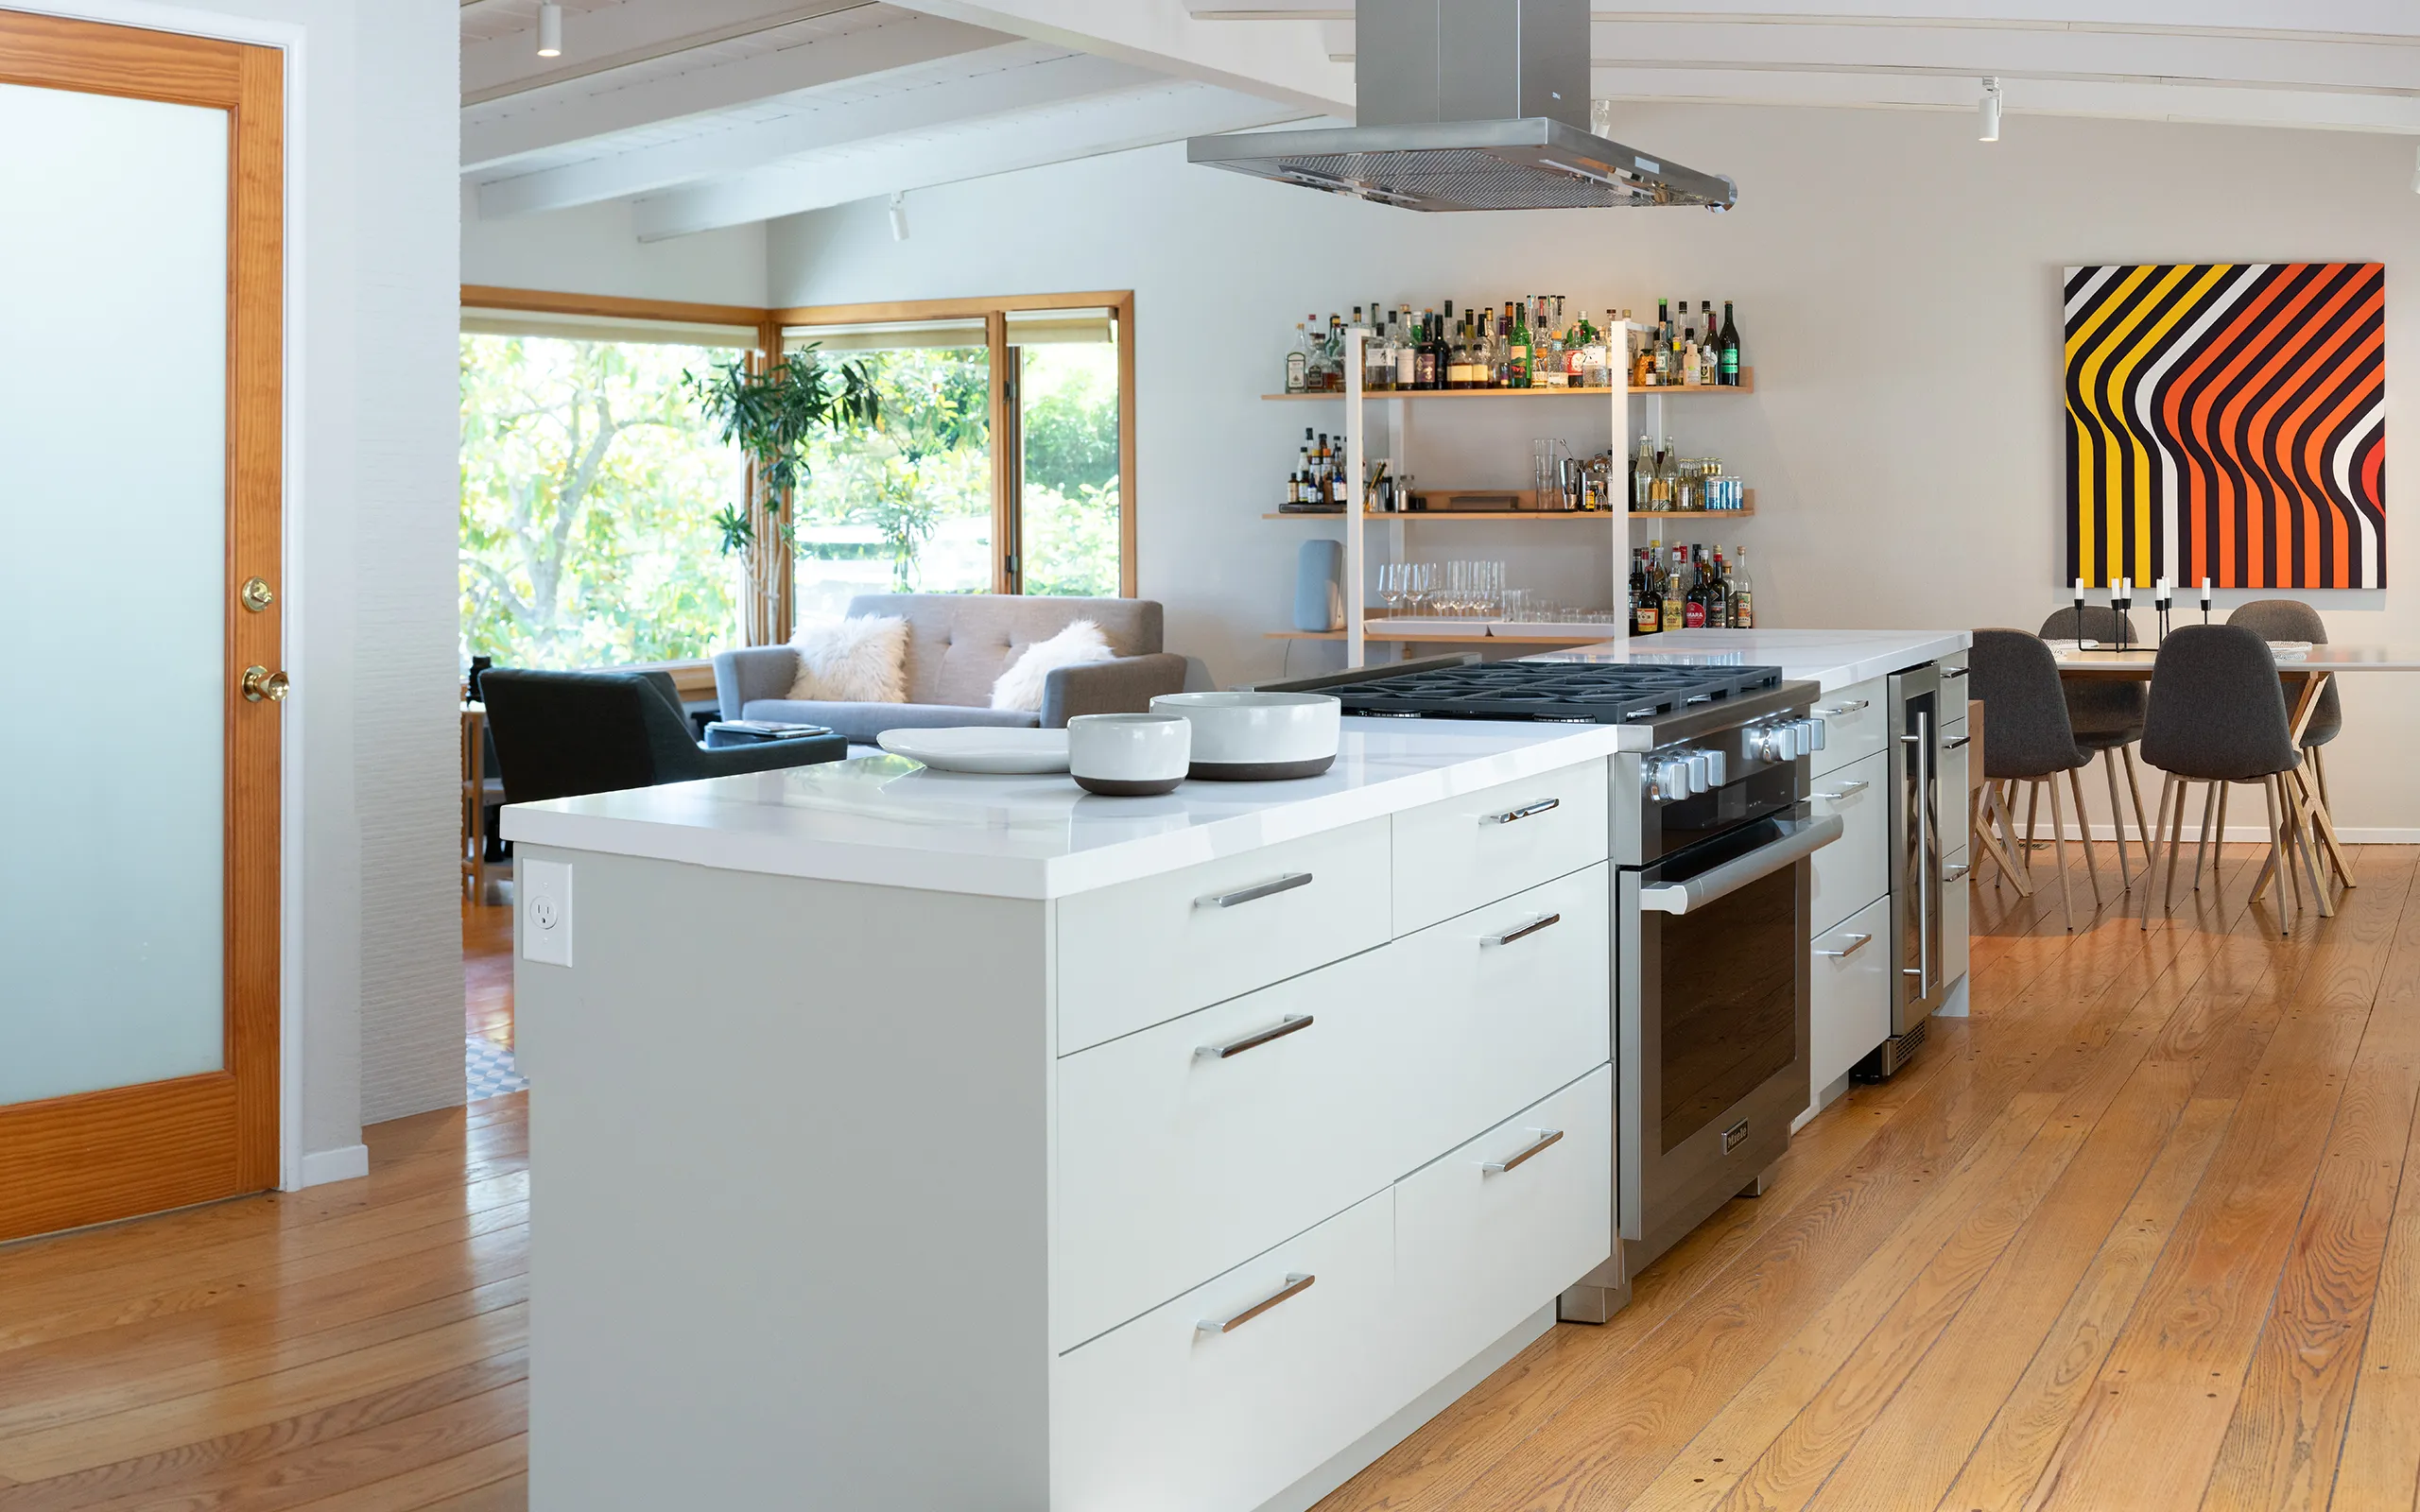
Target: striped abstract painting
{"type": "Point", "coordinates": [2227, 422]}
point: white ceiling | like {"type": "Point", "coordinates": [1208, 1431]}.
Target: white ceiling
{"type": "Point", "coordinates": [718, 112]}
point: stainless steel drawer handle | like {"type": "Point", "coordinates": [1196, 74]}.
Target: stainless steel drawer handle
{"type": "Point", "coordinates": [1955, 741]}
{"type": "Point", "coordinates": [1857, 943]}
{"type": "Point", "coordinates": [1256, 891]}
{"type": "Point", "coordinates": [1955, 873]}
{"type": "Point", "coordinates": [1297, 1282]}
{"type": "Point", "coordinates": [1947, 673]}
{"type": "Point", "coordinates": [1523, 933]}
{"type": "Point", "coordinates": [1846, 790]}
{"type": "Point", "coordinates": [1546, 1137]}
{"type": "Point", "coordinates": [1291, 1023]}
{"type": "Point", "coordinates": [1526, 811]}
{"type": "Point", "coordinates": [1836, 710]}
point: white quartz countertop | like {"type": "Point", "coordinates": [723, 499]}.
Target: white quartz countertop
{"type": "Point", "coordinates": [887, 822]}
{"type": "Point", "coordinates": [1832, 658]}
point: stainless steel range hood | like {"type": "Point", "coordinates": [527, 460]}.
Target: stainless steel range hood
{"type": "Point", "coordinates": [1468, 105]}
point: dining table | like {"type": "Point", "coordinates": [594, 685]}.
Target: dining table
{"type": "Point", "coordinates": [2305, 672]}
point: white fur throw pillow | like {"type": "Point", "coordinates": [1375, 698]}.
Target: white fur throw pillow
{"type": "Point", "coordinates": [852, 660]}
{"type": "Point", "coordinates": [1020, 687]}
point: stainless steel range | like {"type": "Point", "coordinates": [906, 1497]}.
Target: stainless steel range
{"type": "Point", "coordinates": [1711, 837]}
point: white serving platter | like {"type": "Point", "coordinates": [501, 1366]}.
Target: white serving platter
{"type": "Point", "coordinates": [992, 749]}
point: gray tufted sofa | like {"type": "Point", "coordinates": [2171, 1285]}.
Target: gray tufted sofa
{"type": "Point", "coordinates": [958, 647]}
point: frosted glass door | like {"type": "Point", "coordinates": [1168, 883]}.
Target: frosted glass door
{"type": "Point", "coordinates": [113, 465]}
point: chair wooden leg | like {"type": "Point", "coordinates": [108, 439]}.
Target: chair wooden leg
{"type": "Point", "coordinates": [1998, 835]}
{"type": "Point", "coordinates": [2117, 817]}
{"type": "Point", "coordinates": [2319, 766]}
{"type": "Point", "coordinates": [2135, 787]}
{"type": "Point", "coordinates": [2315, 805]}
{"type": "Point", "coordinates": [2033, 814]}
{"type": "Point", "coordinates": [2277, 853]}
{"type": "Point", "coordinates": [2059, 839]}
{"type": "Point", "coordinates": [2170, 790]}
{"type": "Point", "coordinates": [2201, 846]}
{"type": "Point", "coordinates": [2084, 830]}
{"type": "Point", "coordinates": [2175, 833]}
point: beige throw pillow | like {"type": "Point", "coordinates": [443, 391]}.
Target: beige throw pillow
{"type": "Point", "coordinates": [1020, 687]}
{"type": "Point", "coordinates": [852, 660]}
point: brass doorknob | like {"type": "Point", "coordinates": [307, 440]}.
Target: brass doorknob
{"type": "Point", "coordinates": [259, 682]}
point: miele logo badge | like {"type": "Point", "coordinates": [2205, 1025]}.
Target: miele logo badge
{"type": "Point", "coordinates": [1648, 165]}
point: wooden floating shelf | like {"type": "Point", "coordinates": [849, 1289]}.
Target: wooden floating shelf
{"type": "Point", "coordinates": [1536, 514]}
{"type": "Point", "coordinates": [1747, 384]}
{"type": "Point", "coordinates": [1588, 634]}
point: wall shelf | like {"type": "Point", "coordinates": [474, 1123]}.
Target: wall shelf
{"type": "Point", "coordinates": [1747, 384]}
{"type": "Point", "coordinates": [1585, 635]}
{"type": "Point", "coordinates": [1532, 515]}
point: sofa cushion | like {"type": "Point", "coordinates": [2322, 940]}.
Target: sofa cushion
{"type": "Point", "coordinates": [861, 722]}
{"type": "Point", "coordinates": [960, 643]}
{"type": "Point", "coordinates": [862, 658]}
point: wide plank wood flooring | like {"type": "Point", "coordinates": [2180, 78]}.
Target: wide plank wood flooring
{"type": "Point", "coordinates": [2136, 1235]}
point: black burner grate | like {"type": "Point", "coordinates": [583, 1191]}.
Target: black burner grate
{"type": "Point", "coordinates": [1593, 693]}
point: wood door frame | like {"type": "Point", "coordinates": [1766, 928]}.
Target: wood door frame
{"type": "Point", "coordinates": [93, 1156]}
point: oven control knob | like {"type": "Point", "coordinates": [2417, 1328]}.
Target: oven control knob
{"type": "Point", "coordinates": [1717, 769]}
{"type": "Point", "coordinates": [1781, 744]}
{"type": "Point", "coordinates": [1814, 733]}
{"type": "Point", "coordinates": [1672, 780]}
{"type": "Point", "coordinates": [1700, 779]}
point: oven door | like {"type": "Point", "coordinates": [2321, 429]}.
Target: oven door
{"type": "Point", "coordinates": [1713, 1018]}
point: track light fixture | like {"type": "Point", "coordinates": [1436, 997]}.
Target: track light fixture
{"type": "Point", "coordinates": [1990, 106]}
{"type": "Point", "coordinates": [899, 214]}
{"type": "Point", "coordinates": [550, 31]}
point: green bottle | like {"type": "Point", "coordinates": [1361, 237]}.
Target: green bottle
{"type": "Point", "coordinates": [1521, 344]}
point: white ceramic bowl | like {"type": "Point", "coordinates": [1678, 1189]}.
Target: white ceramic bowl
{"type": "Point", "coordinates": [1257, 737]}
{"type": "Point", "coordinates": [1128, 755]}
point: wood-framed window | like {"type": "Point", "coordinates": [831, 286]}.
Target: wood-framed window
{"type": "Point", "coordinates": [1006, 464]}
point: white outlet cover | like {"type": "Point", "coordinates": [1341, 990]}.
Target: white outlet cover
{"type": "Point", "coordinates": [544, 889]}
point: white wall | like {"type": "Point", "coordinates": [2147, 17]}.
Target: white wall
{"type": "Point", "coordinates": [593, 250]}
{"type": "Point", "coordinates": [1897, 284]}
{"type": "Point", "coordinates": [374, 979]}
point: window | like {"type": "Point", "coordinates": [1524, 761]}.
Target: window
{"type": "Point", "coordinates": [1001, 464]}
{"type": "Point", "coordinates": [589, 486]}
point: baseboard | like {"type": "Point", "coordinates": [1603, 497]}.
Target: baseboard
{"type": "Point", "coordinates": [1365, 1450]}
{"type": "Point", "coordinates": [343, 1163]}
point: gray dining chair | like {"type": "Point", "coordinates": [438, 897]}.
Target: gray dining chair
{"type": "Point", "coordinates": [2290, 619]}
{"type": "Point", "coordinates": [2217, 715]}
{"type": "Point", "coordinates": [2107, 716]}
{"type": "Point", "coordinates": [2026, 737]}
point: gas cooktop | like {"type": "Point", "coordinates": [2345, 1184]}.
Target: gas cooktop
{"type": "Point", "coordinates": [1579, 692]}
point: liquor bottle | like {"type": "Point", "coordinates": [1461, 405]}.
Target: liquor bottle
{"type": "Point", "coordinates": [1405, 346]}
{"type": "Point", "coordinates": [1718, 595]}
{"type": "Point", "coordinates": [1730, 347]}
{"type": "Point", "coordinates": [1688, 349]}
{"type": "Point", "coordinates": [1516, 365]}
{"type": "Point", "coordinates": [1642, 475]}
{"type": "Point", "coordinates": [1423, 357]}
{"type": "Point", "coordinates": [1743, 615]}
{"type": "Point", "coordinates": [1663, 373]}
{"type": "Point", "coordinates": [1298, 361]}
{"type": "Point", "coordinates": [1675, 585]}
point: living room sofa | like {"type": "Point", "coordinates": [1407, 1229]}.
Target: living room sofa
{"type": "Point", "coordinates": [958, 647]}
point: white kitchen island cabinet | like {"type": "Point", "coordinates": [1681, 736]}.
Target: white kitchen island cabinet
{"type": "Point", "coordinates": [903, 1140]}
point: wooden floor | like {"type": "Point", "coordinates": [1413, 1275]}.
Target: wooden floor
{"type": "Point", "coordinates": [2134, 1236]}
{"type": "Point", "coordinates": [487, 963]}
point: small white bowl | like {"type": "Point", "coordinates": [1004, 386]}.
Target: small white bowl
{"type": "Point", "coordinates": [1257, 737]}
{"type": "Point", "coordinates": [1128, 755]}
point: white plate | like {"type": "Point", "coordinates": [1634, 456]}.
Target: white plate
{"type": "Point", "coordinates": [992, 749]}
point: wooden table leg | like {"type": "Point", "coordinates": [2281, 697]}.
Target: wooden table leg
{"type": "Point", "coordinates": [2298, 722]}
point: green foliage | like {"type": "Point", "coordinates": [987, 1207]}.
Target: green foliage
{"type": "Point", "coordinates": [1070, 423]}
{"type": "Point", "coordinates": [585, 478]}
{"type": "Point", "coordinates": [923, 470]}
{"type": "Point", "coordinates": [1071, 542]}
{"type": "Point", "coordinates": [773, 417]}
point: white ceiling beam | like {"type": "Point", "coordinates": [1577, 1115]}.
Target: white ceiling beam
{"type": "Point", "coordinates": [2200, 105]}
{"type": "Point", "coordinates": [595, 42]}
{"type": "Point", "coordinates": [1115, 123]}
{"type": "Point", "coordinates": [496, 132]}
{"type": "Point", "coordinates": [1017, 81]}
{"type": "Point", "coordinates": [1289, 64]}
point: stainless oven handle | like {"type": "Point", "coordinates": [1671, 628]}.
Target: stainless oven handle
{"type": "Point", "coordinates": [1526, 811]}
{"type": "Point", "coordinates": [1922, 739]}
{"type": "Point", "coordinates": [1680, 897]}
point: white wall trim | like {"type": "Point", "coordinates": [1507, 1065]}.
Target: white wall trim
{"type": "Point", "coordinates": [319, 1167]}
{"type": "Point", "coordinates": [295, 1167]}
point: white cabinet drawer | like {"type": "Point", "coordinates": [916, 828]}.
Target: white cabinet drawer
{"type": "Point", "coordinates": [1956, 900]}
{"type": "Point", "coordinates": [1854, 723]}
{"type": "Point", "coordinates": [1450, 857]}
{"type": "Point", "coordinates": [1166, 1415]}
{"type": "Point", "coordinates": [1478, 1246]}
{"type": "Point", "coordinates": [1500, 1008]}
{"type": "Point", "coordinates": [1854, 869]}
{"type": "Point", "coordinates": [1950, 786]}
{"type": "Point", "coordinates": [1175, 1164]}
{"type": "Point", "coordinates": [1849, 1007]}
{"type": "Point", "coordinates": [1144, 951]}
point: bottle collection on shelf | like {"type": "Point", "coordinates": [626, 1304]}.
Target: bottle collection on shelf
{"type": "Point", "coordinates": [1527, 344]}
{"type": "Point", "coordinates": [1661, 482]}
{"type": "Point", "coordinates": [1696, 590]}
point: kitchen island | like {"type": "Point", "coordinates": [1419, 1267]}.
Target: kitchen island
{"type": "Point", "coordinates": [910, 1140]}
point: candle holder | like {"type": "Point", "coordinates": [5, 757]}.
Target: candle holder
{"type": "Point", "coordinates": [2121, 600]}
{"type": "Point", "coordinates": [2160, 603]}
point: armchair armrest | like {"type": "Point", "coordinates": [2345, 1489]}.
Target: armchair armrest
{"type": "Point", "coordinates": [751, 673]}
{"type": "Point", "coordinates": [1125, 686]}
{"type": "Point", "coordinates": [770, 755]}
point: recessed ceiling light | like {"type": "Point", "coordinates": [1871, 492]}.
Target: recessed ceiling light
{"type": "Point", "coordinates": [550, 31]}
